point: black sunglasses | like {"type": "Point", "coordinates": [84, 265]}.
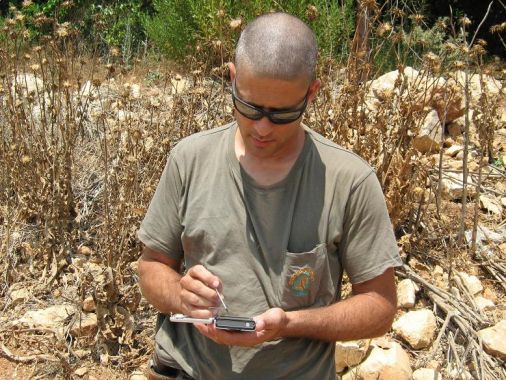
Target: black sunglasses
{"type": "Point", "coordinates": [256, 113]}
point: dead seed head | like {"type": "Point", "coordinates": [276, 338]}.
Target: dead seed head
{"type": "Point", "coordinates": [26, 159]}
{"type": "Point", "coordinates": [220, 13]}
{"type": "Point", "coordinates": [114, 51]}
{"type": "Point", "coordinates": [465, 21]}
{"type": "Point", "coordinates": [19, 17]}
{"type": "Point", "coordinates": [27, 3]}
{"type": "Point", "coordinates": [27, 57]}
{"type": "Point", "coordinates": [417, 18]}
{"type": "Point", "coordinates": [63, 30]}
{"type": "Point", "coordinates": [235, 23]}
{"type": "Point", "coordinates": [384, 28]}
{"type": "Point", "coordinates": [67, 84]}
{"type": "Point", "coordinates": [35, 67]}
{"type": "Point", "coordinates": [312, 13]}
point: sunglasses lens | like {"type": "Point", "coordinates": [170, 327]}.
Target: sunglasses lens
{"type": "Point", "coordinates": [246, 111]}
{"type": "Point", "coordinates": [284, 117]}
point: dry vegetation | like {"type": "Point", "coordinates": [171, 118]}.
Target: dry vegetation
{"type": "Point", "coordinates": [83, 143]}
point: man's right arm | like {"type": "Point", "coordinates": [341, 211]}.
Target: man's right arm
{"type": "Point", "coordinates": [169, 292]}
{"type": "Point", "coordinates": [160, 281]}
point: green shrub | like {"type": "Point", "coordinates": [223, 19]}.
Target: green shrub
{"type": "Point", "coordinates": [203, 28]}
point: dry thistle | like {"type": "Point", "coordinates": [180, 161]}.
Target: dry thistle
{"type": "Point", "coordinates": [19, 17]}
{"type": "Point", "coordinates": [220, 13]}
{"type": "Point", "coordinates": [114, 51]}
{"type": "Point", "coordinates": [235, 23]}
{"type": "Point", "coordinates": [63, 30]}
{"type": "Point", "coordinates": [465, 21]}
{"type": "Point", "coordinates": [384, 28]}
{"type": "Point", "coordinates": [312, 12]}
{"type": "Point", "coordinates": [417, 18]}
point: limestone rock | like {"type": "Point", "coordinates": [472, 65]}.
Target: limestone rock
{"type": "Point", "coordinates": [417, 328]}
{"type": "Point", "coordinates": [426, 374]}
{"type": "Point", "coordinates": [494, 340]}
{"type": "Point", "coordinates": [472, 283]}
{"type": "Point", "coordinates": [81, 371]}
{"type": "Point", "coordinates": [448, 103]}
{"type": "Point", "coordinates": [27, 83]}
{"type": "Point", "coordinates": [454, 150]}
{"type": "Point", "coordinates": [350, 353]}
{"type": "Point", "coordinates": [492, 205]}
{"type": "Point", "coordinates": [483, 303]}
{"type": "Point", "coordinates": [18, 296]}
{"type": "Point", "coordinates": [406, 293]}
{"type": "Point", "coordinates": [455, 129]}
{"type": "Point", "coordinates": [452, 186]}
{"type": "Point", "coordinates": [86, 325]}
{"type": "Point", "coordinates": [53, 317]}
{"type": "Point", "coordinates": [386, 362]}
{"type": "Point", "coordinates": [427, 140]}
{"type": "Point", "coordinates": [138, 375]}
{"type": "Point", "coordinates": [88, 304]}
{"type": "Point", "coordinates": [459, 374]}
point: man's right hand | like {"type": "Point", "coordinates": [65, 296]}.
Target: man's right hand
{"type": "Point", "coordinates": [198, 293]}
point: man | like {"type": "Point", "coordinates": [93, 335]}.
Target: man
{"type": "Point", "coordinates": [268, 213]}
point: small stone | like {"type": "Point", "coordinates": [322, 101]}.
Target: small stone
{"type": "Point", "coordinates": [472, 283]}
{"type": "Point", "coordinates": [137, 375]}
{"type": "Point", "coordinates": [84, 250]}
{"type": "Point", "coordinates": [483, 303]}
{"type": "Point", "coordinates": [453, 186]}
{"type": "Point", "coordinates": [427, 140]}
{"type": "Point", "coordinates": [406, 293]}
{"type": "Point", "coordinates": [81, 371]}
{"type": "Point", "coordinates": [19, 296]}
{"type": "Point", "coordinates": [85, 326]}
{"type": "Point", "coordinates": [350, 353]}
{"type": "Point", "coordinates": [494, 340]}
{"type": "Point", "coordinates": [136, 91]}
{"type": "Point", "coordinates": [459, 374]}
{"type": "Point", "coordinates": [455, 129]}
{"type": "Point", "coordinates": [389, 361]}
{"type": "Point", "coordinates": [417, 328]}
{"type": "Point", "coordinates": [426, 374]}
{"type": "Point", "coordinates": [454, 150]}
{"type": "Point", "coordinates": [89, 304]}
{"type": "Point", "coordinates": [492, 205]}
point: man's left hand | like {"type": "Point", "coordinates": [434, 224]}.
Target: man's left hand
{"type": "Point", "coordinates": [268, 327]}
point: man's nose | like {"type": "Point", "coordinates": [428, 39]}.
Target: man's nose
{"type": "Point", "coordinates": [264, 126]}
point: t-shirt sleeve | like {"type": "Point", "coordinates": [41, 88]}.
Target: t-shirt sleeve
{"type": "Point", "coordinates": [368, 246]}
{"type": "Point", "coordinates": [161, 228]}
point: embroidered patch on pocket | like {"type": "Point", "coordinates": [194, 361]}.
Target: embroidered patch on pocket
{"type": "Point", "coordinates": [300, 281]}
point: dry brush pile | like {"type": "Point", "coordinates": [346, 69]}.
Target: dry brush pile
{"type": "Point", "coordinates": [83, 145]}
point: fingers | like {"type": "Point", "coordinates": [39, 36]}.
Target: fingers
{"type": "Point", "coordinates": [198, 294]}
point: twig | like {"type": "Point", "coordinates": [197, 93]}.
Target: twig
{"type": "Point", "coordinates": [7, 354]}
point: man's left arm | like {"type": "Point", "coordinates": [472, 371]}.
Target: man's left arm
{"type": "Point", "coordinates": [368, 313]}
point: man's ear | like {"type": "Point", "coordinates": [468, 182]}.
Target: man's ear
{"type": "Point", "coordinates": [313, 90]}
{"type": "Point", "coordinates": [231, 68]}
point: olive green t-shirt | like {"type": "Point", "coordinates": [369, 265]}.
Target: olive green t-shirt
{"type": "Point", "coordinates": [284, 245]}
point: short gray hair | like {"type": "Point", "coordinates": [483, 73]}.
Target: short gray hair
{"type": "Point", "coordinates": [278, 45]}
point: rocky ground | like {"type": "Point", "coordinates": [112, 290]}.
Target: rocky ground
{"type": "Point", "coordinates": [451, 322]}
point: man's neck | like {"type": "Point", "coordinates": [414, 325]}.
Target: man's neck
{"type": "Point", "coordinates": [268, 170]}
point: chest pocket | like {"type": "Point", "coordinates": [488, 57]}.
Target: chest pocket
{"type": "Point", "coordinates": [305, 280]}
